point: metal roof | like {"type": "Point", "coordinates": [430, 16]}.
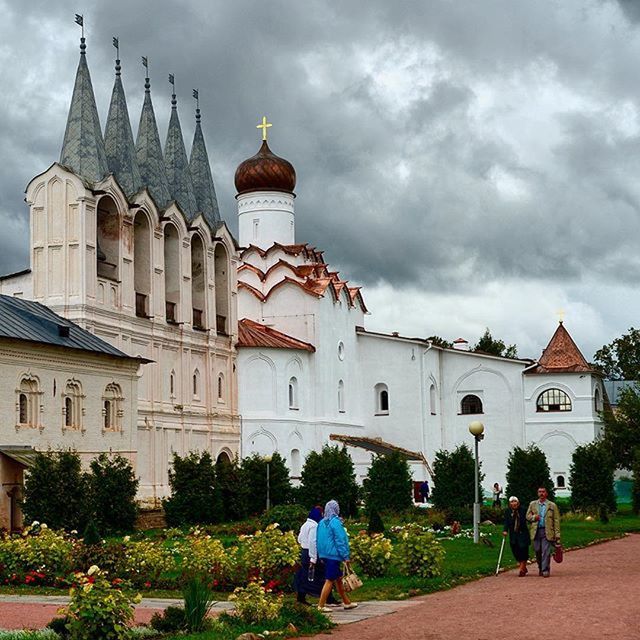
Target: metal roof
{"type": "Point", "coordinates": [614, 388]}
{"type": "Point", "coordinates": [27, 320]}
{"type": "Point", "coordinates": [22, 455]}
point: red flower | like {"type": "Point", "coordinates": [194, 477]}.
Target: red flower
{"type": "Point", "coordinates": [147, 584]}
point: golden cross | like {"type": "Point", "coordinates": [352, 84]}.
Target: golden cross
{"type": "Point", "coordinates": [264, 126]}
{"type": "Point", "coordinates": [560, 315]}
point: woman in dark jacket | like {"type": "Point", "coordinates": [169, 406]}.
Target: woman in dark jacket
{"type": "Point", "coordinates": [515, 526]}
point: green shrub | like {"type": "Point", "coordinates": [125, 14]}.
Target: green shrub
{"type": "Point", "coordinates": [268, 553]}
{"type": "Point", "coordinates": [171, 619]}
{"type": "Point", "coordinates": [204, 555]}
{"type": "Point", "coordinates": [254, 604]}
{"type": "Point", "coordinates": [198, 600]}
{"type": "Point", "coordinates": [635, 491]}
{"type": "Point", "coordinates": [289, 517]}
{"type": "Point", "coordinates": [112, 492]}
{"type": "Point", "coordinates": [59, 625]}
{"type": "Point", "coordinates": [375, 522]}
{"type": "Point", "coordinates": [591, 479]}
{"type": "Point", "coordinates": [418, 553]}
{"type": "Point", "coordinates": [56, 491]}
{"type": "Point", "coordinates": [453, 476]}
{"type": "Point", "coordinates": [91, 536]}
{"type": "Point", "coordinates": [329, 475]}
{"type": "Point", "coordinates": [194, 499]}
{"type": "Point", "coordinates": [527, 471]}
{"type": "Point", "coordinates": [254, 482]}
{"type": "Point", "coordinates": [388, 485]}
{"type": "Point", "coordinates": [372, 553]}
{"type": "Point", "coordinates": [229, 484]}
{"type": "Point", "coordinates": [144, 562]}
{"type": "Point", "coordinates": [494, 514]}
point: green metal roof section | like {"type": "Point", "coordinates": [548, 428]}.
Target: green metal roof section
{"type": "Point", "coordinates": [149, 152]}
{"type": "Point", "coordinates": [204, 190]}
{"type": "Point", "coordinates": [177, 165]}
{"type": "Point", "coordinates": [83, 147]}
{"type": "Point", "coordinates": [118, 140]}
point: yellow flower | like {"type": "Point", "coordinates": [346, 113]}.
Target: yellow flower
{"type": "Point", "coordinates": [92, 569]}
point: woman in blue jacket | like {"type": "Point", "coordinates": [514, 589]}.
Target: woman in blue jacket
{"type": "Point", "coordinates": [333, 549]}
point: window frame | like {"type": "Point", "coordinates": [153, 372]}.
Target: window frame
{"type": "Point", "coordinates": [380, 389]}
{"type": "Point", "coordinates": [560, 395]}
{"type": "Point", "coordinates": [470, 412]}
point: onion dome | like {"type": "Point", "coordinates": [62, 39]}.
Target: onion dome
{"type": "Point", "coordinates": [265, 172]}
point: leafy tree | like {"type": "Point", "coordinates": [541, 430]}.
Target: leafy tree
{"type": "Point", "coordinates": [194, 499]}
{"type": "Point", "coordinates": [488, 344]}
{"type": "Point", "coordinates": [453, 479]}
{"type": "Point", "coordinates": [254, 482]}
{"type": "Point", "coordinates": [620, 359]}
{"type": "Point", "coordinates": [112, 492]}
{"type": "Point", "coordinates": [56, 491]}
{"type": "Point", "coordinates": [329, 475]}
{"type": "Point", "coordinates": [440, 342]}
{"type": "Point", "coordinates": [527, 471]}
{"type": "Point", "coordinates": [388, 485]}
{"type": "Point", "coordinates": [375, 523]}
{"type": "Point", "coordinates": [622, 428]}
{"type": "Point", "coordinates": [591, 479]}
{"type": "Point", "coordinates": [229, 483]}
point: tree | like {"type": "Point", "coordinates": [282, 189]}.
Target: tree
{"type": "Point", "coordinates": [622, 427]}
{"type": "Point", "coordinates": [635, 491]}
{"type": "Point", "coordinates": [329, 475]}
{"type": "Point", "coordinates": [112, 494]}
{"type": "Point", "coordinates": [453, 479]}
{"type": "Point", "coordinates": [388, 485]}
{"type": "Point", "coordinates": [527, 471]}
{"type": "Point", "coordinates": [440, 342]}
{"type": "Point", "coordinates": [228, 484]}
{"type": "Point", "coordinates": [488, 344]}
{"type": "Point", "coordinates": [620, 359]}
{"type": "Point", "coordinates": [591, 479]}
{"type": "Point", "coordinates": [194, 499]}
{"type": "Point", "coordinates": [254, 482]}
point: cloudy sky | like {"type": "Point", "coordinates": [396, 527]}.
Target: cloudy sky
{"type": "Point", "coordinates": [472, 163]}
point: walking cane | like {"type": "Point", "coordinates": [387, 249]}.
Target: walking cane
{"type": "Point", "coordinates": [504, 539]}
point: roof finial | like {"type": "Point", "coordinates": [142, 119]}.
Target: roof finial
{"type": "Point", "coordinates": [560, 316]}
{"type": "Point", "coordinates": [264, 126]}
{"type": "Point", "coordinates": [147, 82]}
{"type": "Point", "coordinates": [116, 44]}
{"type": "Point", "coordinates": [80, 21]}
{"type": "Point", "coordinates": [196, 95]}
{"type": "Point", "coordinates": [172, 81]}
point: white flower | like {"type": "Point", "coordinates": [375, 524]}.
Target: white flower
{"type": "Point", "coordinates": [92, 569]}
{"type": "Point", "coordinates": [35, 523]}
{"type": "Point", "coordinates": [126, 539]}
{"type": "Point", "coordinates": [43, 526]}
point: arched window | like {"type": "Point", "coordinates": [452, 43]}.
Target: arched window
{"type": "Point", "coordinates": [296, 469]}
{"type": "Point", "coordinates": [560, 482]}
{"type": "Point", "coordinates": [172, 384]}
{"type": "Point", "coordinates": [107, 239]}
{"type": "Point", "coordinates": [196, 383]}
{"type": "Point", "coordinates": [142, 264]}
{"type": "Point", "coordinates": [597, 404]}
{"type": "Point", "coordinates": [171, 273]}
{"type": "Point", "coordinates": [221, 267]}
{"type": "Point", "coordinates": [220, 387]}
{"type": "Point", "coordinates": [24, 409]}
{"type": "Point", "coordinates": [341, 396]}
{"type": "Point", "coordinates": [381, 399]}
{"type": "Point", "coordinates": [223, 458]}
{"type": "Point", "coordinates": [293, 393]}
{"type": "Point", "coordinates": [28, 402]}
{"type": "Point", "coordinates": [73, 409]}
{"type": "Point", "coordinates": [198, 282]}
{"type": "Point", "coordinates": [553, 400]}
{"type": "Point", "coordinates": [432, 399]}
{"type": "Point", "coordinates": [112, 410]}
{"type": "Point", "coordinates": [470, 404]}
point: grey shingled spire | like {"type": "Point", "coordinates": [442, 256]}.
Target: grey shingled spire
{"type": "Point", "coordinates": [118, 141]}
{"type": "Point", "coordinates": [83, 147]}
{"type": "Point", "coordinates": [204, 191]}
{"type": "Point", "coordinates": [149, 152]}
{"type": "Point", "coordinates": [177, 165]}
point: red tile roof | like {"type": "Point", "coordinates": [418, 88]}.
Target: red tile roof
{"type": "Point", "coordinates": [561, 356]}
{"type": "Point", "coordinates": [254, 334]}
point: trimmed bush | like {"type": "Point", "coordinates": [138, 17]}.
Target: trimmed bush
{"type": "Point", "coordinates": [527, 471]}
{"type": "Point", "coordinates": [453, 477]}
{"type": "Point", "coordinates": [388, 485]}
{"type": "Point", "coordinates": [329, 475]}
{"type": "Point", "coordinates": [255, 604]}
{"type": "Point", "coordinates": [375, 522]}
{"type": "Point", "coordinates": [171, 619]}
{"type": "Point", "coordinates": [418, 552]}
{"type": "Point", "coordinates": [591, 479]}
{"type": "Point", "coordinates": [254, 482]}
{"type": "Point", "coordinates": [372, 553]}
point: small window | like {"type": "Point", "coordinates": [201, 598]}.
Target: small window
{"type": "Point", "coordinates": [340, 396]}
{"type": "Point", "coordinates": [382, 399]}
{"type": "Point", "coordinates": [107, 414]}
{"type": "Point", "coordinates": [172, 384]}
{"type": "Point", "coordinates": [24, 411]}
{"type": "Point", "coordinates": [112, 411]}
{"type": "Point", "coordinates": [28, 404]}
{"type": "Point", "coordinates": [597, 404]}
{"type": "Point", "coordinates": [68, 412]}
{"type": "Point", "coordinates": [432, 399]}
{"type": "Point", "coordinates": [295, 463]}
{"type": "Point", "coordinates": [293, 393]}
{"type": "Point", "coordinates": [220, 388]}
{"type": "Point", "coordinates": [560, 482]}
{"type": "Point", "coordinates": [470, 405]}
{"type": "Point", "coordinates": [553, 400]}
{"type": "Point", "coordinates": [341, 350]}
{"type": "Point", "coordinates": [196, 383]}
{"type": "Point", "coordinates": [73, 405]}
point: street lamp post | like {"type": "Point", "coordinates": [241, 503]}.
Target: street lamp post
{"type": "Point", "coordinates": [268, 461]}
{"type": "Point", "coordinates": [476, 428]}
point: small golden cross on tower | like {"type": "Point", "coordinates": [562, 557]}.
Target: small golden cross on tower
{"type": "Point", "coordinates": [560, 315]}
{"type": "Point", "coordinates": [264, 126]}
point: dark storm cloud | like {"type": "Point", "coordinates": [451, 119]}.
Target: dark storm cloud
{"type": "Point", "coordinates": [437, 144]}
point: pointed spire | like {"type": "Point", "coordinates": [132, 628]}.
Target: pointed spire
{"type": "Point", "coordinates": [149, 151]}
{"type": "Point", "coordinates": [204, 191]}
{"type": "Point", "coordinates": [83, 147]}
{"type": "Point", "coordinates": [177, 165]}
{"type": "Point", "coordinates": [118, 138]}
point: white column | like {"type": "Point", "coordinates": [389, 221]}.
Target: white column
{"type": "Point", "coordinates": [265, 217]}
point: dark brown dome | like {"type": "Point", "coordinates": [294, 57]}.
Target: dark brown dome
{"type": "Point", "coordinates": [265, 172]}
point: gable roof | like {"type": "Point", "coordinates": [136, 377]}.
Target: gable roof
{"type": "Point", "coordinates": [27, 320]}
{"type": "Point", "coordinates": [254, 334]}
{"type": "Point", "coordinates": [561, 356]}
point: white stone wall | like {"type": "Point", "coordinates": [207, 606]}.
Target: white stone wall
{"type": "Point", "coordinates": [265, 217]}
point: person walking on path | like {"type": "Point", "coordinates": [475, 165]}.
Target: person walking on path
{"type": "Point", "coordinates": [333, 549]}
{"type": "Point", "coordinates": [515, 526]}
{"type": "Point", "coordinates": [544, 518]}
{"type": "Point", "coordinates": [497, 495]}
{"type": "Point", "coordinates": [425, 491]}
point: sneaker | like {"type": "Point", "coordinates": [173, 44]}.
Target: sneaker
{"type": "Point", "coordinates": [545, 574]}
{"type": "Point", "coordinates": [351, 605]}
{"type": "Point", "coordinates": [335, 605]}
{"type": "Point", "coordinates": [325, 609]}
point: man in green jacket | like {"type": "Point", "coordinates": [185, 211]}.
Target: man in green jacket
{"type": "Point", "coordinates": [544, 526]}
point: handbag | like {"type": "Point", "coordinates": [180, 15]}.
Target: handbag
{"type": "Point", "coordinates": [557, 554]}
{"type": "Point", "coordinates": [350, 580]}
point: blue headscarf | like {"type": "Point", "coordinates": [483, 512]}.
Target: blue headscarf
{"type": "Point", "coordinates": [331, 510]}
{"type": "Point", "coordinates": [315, 514]}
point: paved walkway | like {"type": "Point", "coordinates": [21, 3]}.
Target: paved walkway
{"type": "Point", "coordinates": [594, 594]}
